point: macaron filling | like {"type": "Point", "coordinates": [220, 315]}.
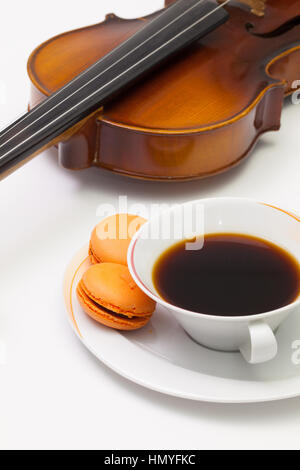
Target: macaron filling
{"type": "Point", "coordinates": [92, 255]}
{"type": "Point", "coordinates": [97, 305]}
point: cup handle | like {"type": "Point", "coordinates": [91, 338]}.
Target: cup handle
{"type": "Point", "coordinates": [262, 345]}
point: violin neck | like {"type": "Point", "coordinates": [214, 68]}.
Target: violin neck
{"type": "Point", "coordinates": [176, 27]}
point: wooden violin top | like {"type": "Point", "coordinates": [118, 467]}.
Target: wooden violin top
{"type": "Point", "coordinates": [211, 83]}
{"type": "Point", "coordinates": [198, 114]}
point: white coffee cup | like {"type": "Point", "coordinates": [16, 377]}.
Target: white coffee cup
{"type": "Point", "coordinates": [253, 336]}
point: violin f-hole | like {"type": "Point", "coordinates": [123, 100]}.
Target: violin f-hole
{"type": "Point", "coordinates": [282, 29]}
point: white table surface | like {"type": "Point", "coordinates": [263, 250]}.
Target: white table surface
{"type": "Point", "coordinates": [53, 393]}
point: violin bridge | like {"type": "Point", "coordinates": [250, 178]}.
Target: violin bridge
{"type": "Point", "coordinates": [257, 6]}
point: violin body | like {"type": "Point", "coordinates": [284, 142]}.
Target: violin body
{"type": "Point", "coordinates": [199, 114]}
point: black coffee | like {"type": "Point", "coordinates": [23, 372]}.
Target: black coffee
{"type": "Point", "coordinates": [232, 275]}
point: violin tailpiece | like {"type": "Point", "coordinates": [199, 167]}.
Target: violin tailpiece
{"type": "Point", "coordinates": [257, 6]}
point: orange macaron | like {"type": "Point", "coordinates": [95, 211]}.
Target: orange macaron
{"type": "Point", "coordinates": [110, 239]}
{"type": "Point", "coordinates": [108, 294]}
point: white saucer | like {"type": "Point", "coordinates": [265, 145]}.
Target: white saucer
{"type": "Point", "coordinates": [163, 358]}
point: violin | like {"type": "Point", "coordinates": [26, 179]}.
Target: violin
{"type": "Point", "coordinates": [181, 94]}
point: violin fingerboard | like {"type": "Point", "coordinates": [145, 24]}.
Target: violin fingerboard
{"type": "Point", "coordinates": [257, 6]}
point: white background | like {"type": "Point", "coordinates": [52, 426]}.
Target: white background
{"type": "Point", "coordinates": [53, 393]}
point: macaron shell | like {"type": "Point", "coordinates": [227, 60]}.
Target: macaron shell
{"type": "Point", "coordinates": [111, 238]}
{"type": "Point", "coordinates": [107, 319]}
{"type": "Point", "coordinates": [112, 286]}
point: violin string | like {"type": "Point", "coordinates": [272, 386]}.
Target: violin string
{"type": "Point", "coordinates": [108, 83]}
{"type": "Point", "coordinates": [114, 79]}
{"type": "Point", "coordinates": [65, 88]}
